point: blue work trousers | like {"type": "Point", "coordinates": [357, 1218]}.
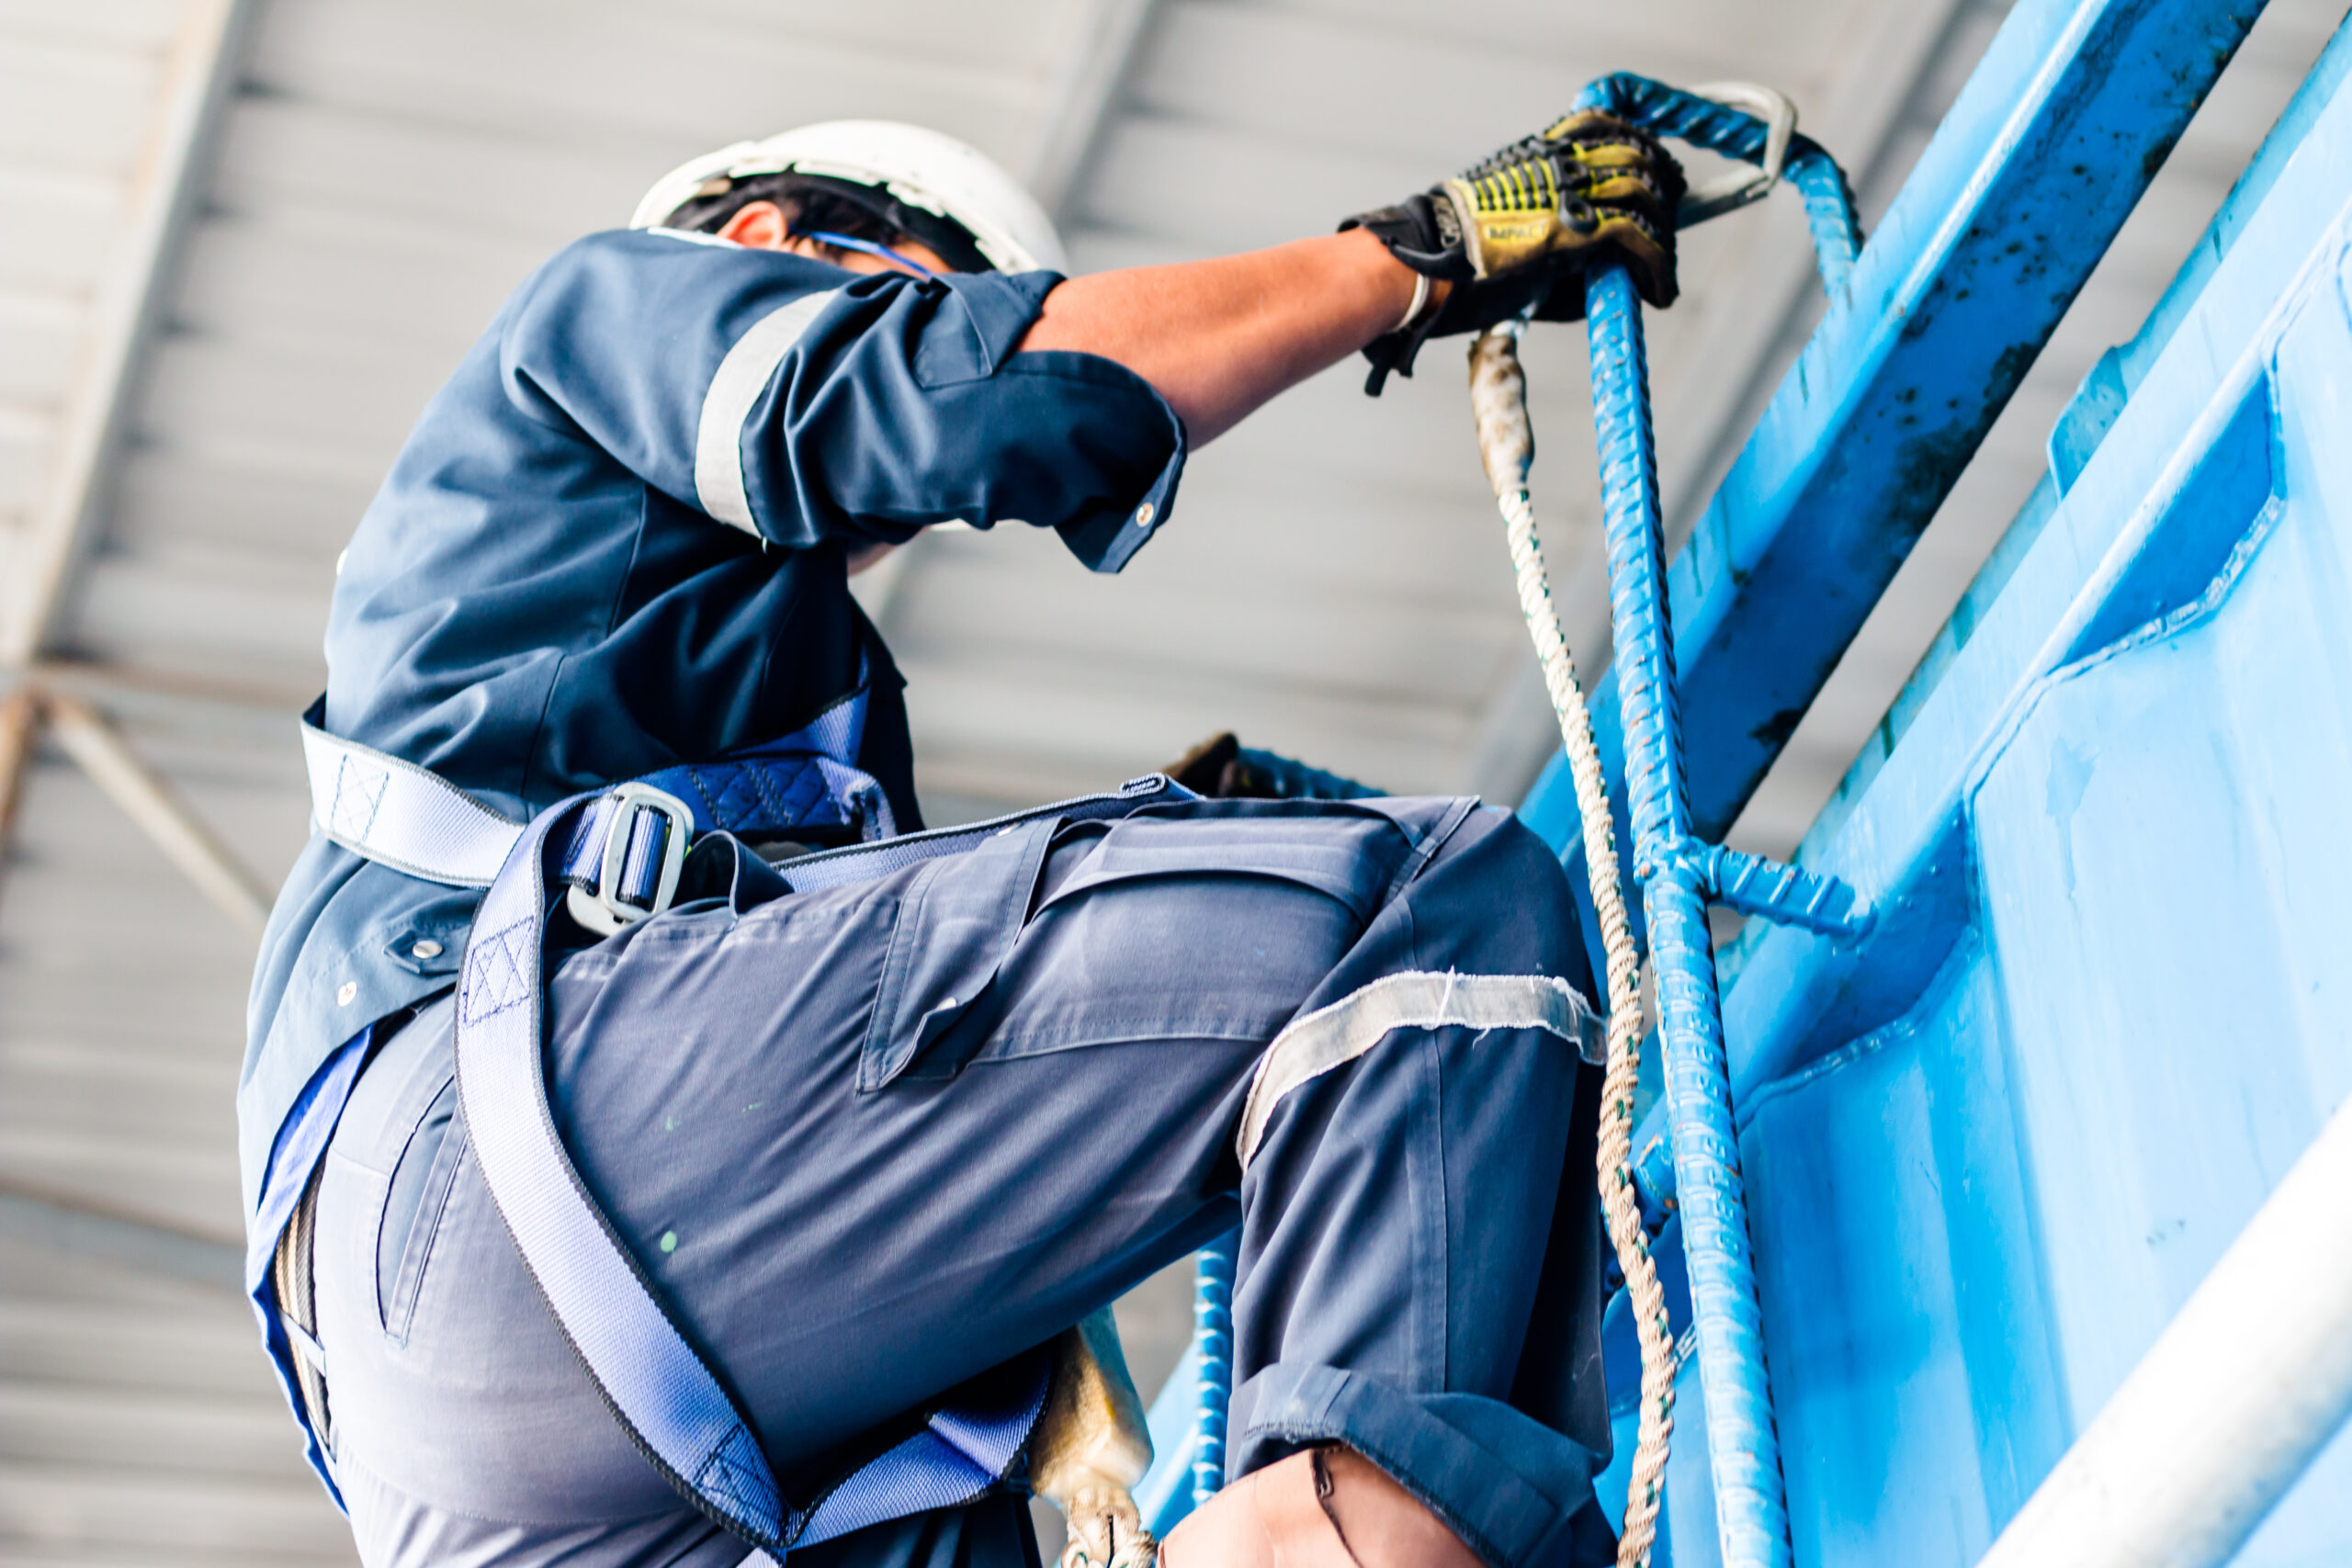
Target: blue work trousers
{"type": "Point", "coordinates": [871, 1141]}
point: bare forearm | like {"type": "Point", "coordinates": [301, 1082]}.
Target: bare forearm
{"type": "Point", "coordinates": [1218, 338]}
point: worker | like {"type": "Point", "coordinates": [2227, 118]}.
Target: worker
{"type": "Point", "coordinates": [737, 1113]}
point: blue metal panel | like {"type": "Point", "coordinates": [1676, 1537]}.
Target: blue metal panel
{"type": "Point", "coordinates": [1992, 1146]}
{"type": "Point", "coordinates": [2096, 407]}
{"type": "Point", "coordinates": [2086, 418]}
{"type": "Point", "coordinates": [1926, 904]}
{"type": "Point", "coordinates": [2040, 161]}
{"type": "Point", "coordinates": [1992, 1143]}
{"type": "Point", "coordinates": [1901, 840]}
{"type": "Point", "coordinates": [1919, 1404]}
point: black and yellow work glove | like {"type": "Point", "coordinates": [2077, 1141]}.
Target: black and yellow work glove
{"type": "Point", "coordinates": [1522, 226]}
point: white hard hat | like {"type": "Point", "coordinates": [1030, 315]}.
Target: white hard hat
{"type": "Point", "coordinates": [920, 168]}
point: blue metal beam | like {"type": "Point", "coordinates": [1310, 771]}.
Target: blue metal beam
{"type": "Point", "coordinates": [2071, 570]}
{"type": "Point", "coordinates": [2052, 142]}
{"type": "Point", "coordinates": [2194, 444]}
{"type": "Point", "coordinates": [2081, 427]}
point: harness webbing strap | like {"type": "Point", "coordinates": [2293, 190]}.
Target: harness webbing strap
{"type": "Point", "coordinates": [392, 811]}
{"type": "Point", "coordinates": [410, 818]}
{"type": "Point", "coordinates": [666, 1397]}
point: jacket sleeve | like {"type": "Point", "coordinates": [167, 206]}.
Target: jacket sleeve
{"type": "Point", "coordinates": [804, 403]}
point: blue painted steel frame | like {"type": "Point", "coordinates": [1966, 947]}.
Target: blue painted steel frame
{"type": "Point", "coordinates": [1949, 305]}
{"type": "Point", "coordinates": [2194, 442]}
{"type": "Point", "coordinates": [1905, 458]}
{"type": "Point", "coordinates": [1679, 873]}
{"type": "Point", "coordinates": [2156, 528]}
{"type": "Point", "coordinates": [2052, 141]}
{"type": "Point", "coordinates": [2026, 182]}
{"type": "Point", "coordinates": [2190, 428]}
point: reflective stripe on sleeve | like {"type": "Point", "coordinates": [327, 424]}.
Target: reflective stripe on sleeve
{"type": "Point", "coordinates": [1332, 1036]}
{"type": "Point", "coordinates": [742, 376]}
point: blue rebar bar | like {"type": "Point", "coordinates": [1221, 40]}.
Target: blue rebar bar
{"type": "Point", "coordinates": [1677, 872]}
{"type": "Point", "coordinates": [1743, 1445]}
{"type": "Point", "coordinates": [1669, 111]}
{"type": "Point", "coordinates": [1212, 1331]}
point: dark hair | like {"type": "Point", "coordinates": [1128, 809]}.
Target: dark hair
{"type": "Point", "coordinates": [813, 203]}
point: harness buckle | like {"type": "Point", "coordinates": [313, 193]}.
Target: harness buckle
{"type": "Point", "coordinates": [644, 823]}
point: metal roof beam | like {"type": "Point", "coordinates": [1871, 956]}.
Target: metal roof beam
{"type": "Point", "coordinates": [122, 687]}
{"type": "Point", "coordinates": [1085, 93]}
{"type": "Point", "coordinates": [198, 74]}
{"type": "Point", "coordinates": [20, 718]}
{"type": "Point", "coordinates": [149, 801]}
{"type": "Point", "coordinates": [77, 1227]}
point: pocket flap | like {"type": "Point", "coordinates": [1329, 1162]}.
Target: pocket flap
{"type": "Point", "coordinates": [957, 924]}
{"type": "Point", "coordinates": [1348, 858]}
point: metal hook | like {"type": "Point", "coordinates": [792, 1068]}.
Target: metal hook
{"type": "Point", "coordinates": [1739, 188]}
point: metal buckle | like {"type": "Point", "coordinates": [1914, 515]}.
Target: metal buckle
{"type": "Point", "coordinates": [605, 911]}
{"type": "Point", "coordinates": [1739, 188]}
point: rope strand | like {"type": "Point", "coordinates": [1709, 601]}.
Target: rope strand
{"type": "Point", "coordinates": [1506, 444]}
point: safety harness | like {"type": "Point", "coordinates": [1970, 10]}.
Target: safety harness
{"type": "Point", "coordinates": [411, 819]}
{"type": "Point", "coordinates": [618, 853]}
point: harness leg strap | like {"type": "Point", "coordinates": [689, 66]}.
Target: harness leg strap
{"type": "Point", "coordinates": [668, 1398]}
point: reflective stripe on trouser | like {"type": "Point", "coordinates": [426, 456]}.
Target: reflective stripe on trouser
{"type": "Point", "coordinates": [873, 1141]}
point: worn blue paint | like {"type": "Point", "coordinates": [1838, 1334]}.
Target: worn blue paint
{"type": "Point", "coordinates": [2088, 417]}
{"type": "Point", "coordinates": [1992, 1145]}
{"type": "Point", "coordinates": [1992, 1142]}
{"type": "Point", "coordinates": [2011, 205]}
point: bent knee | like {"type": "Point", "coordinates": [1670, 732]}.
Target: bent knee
{"type": "Point", "coordinates": [1495, 899]}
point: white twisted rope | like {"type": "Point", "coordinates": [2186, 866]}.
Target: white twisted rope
{"type": "Point", "coordinates": [1507, 447]}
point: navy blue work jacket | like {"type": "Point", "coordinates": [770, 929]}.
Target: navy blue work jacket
{"type": "Point", "coordinates": [616, 541]}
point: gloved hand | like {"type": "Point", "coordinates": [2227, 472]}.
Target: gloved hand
{"type": "Point", "coordinates": [1523, 225]}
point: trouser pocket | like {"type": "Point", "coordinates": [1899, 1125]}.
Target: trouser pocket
{"type": "Point", "coordinates": [1342, 851]}
{"type": "Point", "coordinates": [1207, 920]}
{"type": "Point", "coordinates": [413, 1202]}
{"type": "Point", "coordinates": [957, 922]}
{"type": "Point", "coordinates": [396, 1153]}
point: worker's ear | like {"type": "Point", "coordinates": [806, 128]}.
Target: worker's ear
{"type": "Point", "coordinates": [761, 225]}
